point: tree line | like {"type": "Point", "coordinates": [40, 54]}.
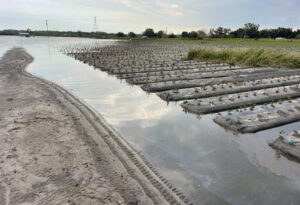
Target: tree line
{"type": "Point", "coordinates": [250, 30]}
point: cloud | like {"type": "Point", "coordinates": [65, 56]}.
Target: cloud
{"type": "Point", "coordinates": [136, 15]}
{"type": "Point", "coordinates": [170, 9]}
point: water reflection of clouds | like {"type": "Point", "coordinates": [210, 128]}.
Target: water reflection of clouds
{"type": "Point", "coordinates": [118, 112]}
{"type": "Point", "coordinates": [118, 104]}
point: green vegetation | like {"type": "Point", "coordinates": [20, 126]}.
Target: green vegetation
{"type": "Point", "coordinates": [249, 30]}
{"type": "Point", "coordinates": [250, 57]}
{"type": "Point", "coordinates": [131, 35]}
{"type": "Point", "coordinates": [149, 32]}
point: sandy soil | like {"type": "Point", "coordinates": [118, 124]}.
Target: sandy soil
{"type": "Point", "coordinates": [55, 150]}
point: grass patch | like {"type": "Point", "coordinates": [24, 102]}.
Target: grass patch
{"type": "Point", "coordinates": [258, 57]}
{"type": "Point", "coordinates": [283, 46]}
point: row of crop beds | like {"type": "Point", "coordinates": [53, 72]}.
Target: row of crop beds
{"type": "Point", "coordinates": [201, 87]}
{"type": "Point", "coordinates": [246, 99]}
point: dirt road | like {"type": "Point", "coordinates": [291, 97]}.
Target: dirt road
{"type": "Point", "coordinates": [54, 149]}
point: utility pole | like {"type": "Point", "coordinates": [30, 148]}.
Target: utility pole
{"type": "Point", "coordinates": [47, 27]}
{"type": "Point", "coordinates": [95, 26]}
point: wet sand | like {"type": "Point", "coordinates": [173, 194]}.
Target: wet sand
{"type": "Point", "coordinates": [54, 149]}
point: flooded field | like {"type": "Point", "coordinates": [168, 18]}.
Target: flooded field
{"type": "Point", "coordinates": [209, 164]}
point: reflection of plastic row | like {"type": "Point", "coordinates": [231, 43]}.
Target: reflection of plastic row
{"type": "Point", "coordinates": [228, 88]}
{"type": "Point", "coordinates": [257, 120]}
{"type": "Point", "coordinates": [241, 100]}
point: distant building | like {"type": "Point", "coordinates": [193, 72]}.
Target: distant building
{"type": "Point", "coordinates": [26, 34]}
{"type": "Point", "coordinates": [280, 38]}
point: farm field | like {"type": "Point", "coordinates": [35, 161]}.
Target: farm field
{"type": "Point", "coordinates": [206, 162]}
{"type": "Point", "coordinates": [142, 102]}
{"type": "Point", "coordinates": [205, 87]}
{"type": "Point", "coordinates": [255, 98]}
{"type": "Point", "coordinates": [208, 87]}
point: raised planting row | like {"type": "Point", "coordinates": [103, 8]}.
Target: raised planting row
{"type": "Point", "coordinates": [179, 84]}
{"type": "Point", "coordinates": [171, 70]}
{"type": "Point", "coordinates": [199, 75]}
{"type": "Point", "coordinates": [241, 100]}
{"type": "Point", "coordinates": [146, 65]}
{"type": "Point", "coordinates": [289, 143]}
{"type": "Point", "coordinates": [180, 71]}
{"type": "Point", "coordinates": [227, 88]}
{"type": "Point", "coordinates": [261, 118]}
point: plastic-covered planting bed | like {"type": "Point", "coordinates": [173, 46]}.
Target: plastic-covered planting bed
{"type": "Point", "coordinates": [227, 88]}
{"type": "Point", "coordinates": [240, 100]}
{"type": "Point", "coordinates": [156, 67]}
{"type": "Point", "coordinates": [288, 144]}
{"type": "Point", "coordinates": [261, 117]}
{"type": "Point", "coordinates": [179, 84]}
{"type": "Point", "coordinates": [200, 75]}
{"type": "Point", "coordinates": [185, 70]}
{"type": "Point", "coordinates": [124, 67]}
{"type": "Point", "coordinates": [156, 70]}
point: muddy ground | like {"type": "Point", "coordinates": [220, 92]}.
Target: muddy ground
{"type": "Point", "coordinates": [55, 150]}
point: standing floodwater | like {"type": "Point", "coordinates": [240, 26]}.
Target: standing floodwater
{"type": "Point", "coordinates": [209, 164]}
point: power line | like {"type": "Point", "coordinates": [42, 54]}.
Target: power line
{"type": "Point", "coordinates": [47, 27]}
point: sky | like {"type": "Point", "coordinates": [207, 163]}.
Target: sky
{"type": "Point", "coordinates": [137, 15]}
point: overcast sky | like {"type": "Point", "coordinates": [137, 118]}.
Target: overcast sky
{"type": "Point", "coordinates": [136, 15]}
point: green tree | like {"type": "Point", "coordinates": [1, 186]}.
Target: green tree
{"type": "Point", "coordinates": [201, 34]}
{"type": "Point", "coordinates": [131, 35]}
{"type": "Point", "coordinates": [184, 34]}
{"type": "Point", "coordinates": [193, 34]}
{"type": "Point", "coordinates": [265, 33]}
{"type": "Point", "coordinates": [120, 34]}
{"type": "Point", "coordinates": [159, 34]}
{"type": "Point", "coordinates": [172, 35]}
{"type": "Point", "coordinates": [252, 30]}
{"type": "Point", "coordinates": [220, 32]}
{"type": "Point", "coordinates": [149, 32]}
{"type": "Point", "coordinates": [285, 32]}
{"type": "Point", "coordinates": [239, 33]}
